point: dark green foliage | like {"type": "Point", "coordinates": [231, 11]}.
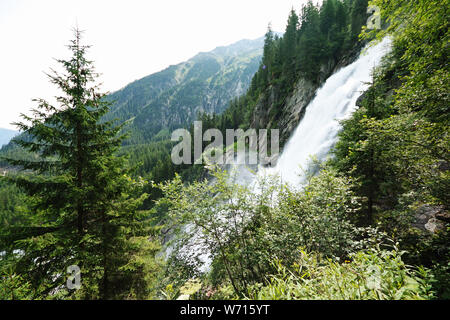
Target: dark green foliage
{"type": "Point", "coordinates": [12, 204]}
{"type": "Point", "coordinates": [312, 41]}
{"type": "Point", "coordinates": [288, 48]}
{"type": "Point", "coordinates": [358, 17]}
{"type": "Point", "coordinates": [83, 206]}
{"type": "Point", "coordinates": [397, 144]}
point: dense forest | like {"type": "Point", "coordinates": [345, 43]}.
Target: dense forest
{"type": "Point", "coordinates": [81, 190]}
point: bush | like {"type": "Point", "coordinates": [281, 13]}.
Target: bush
{"type": "Point", "coordinates": [373, 274]}
{"type": "Point", "coordinates": [244, 228]}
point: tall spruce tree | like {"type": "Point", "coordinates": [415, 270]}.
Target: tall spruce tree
{"type": "Point", "coordinates": [268, 55]}
{"type": "Point", "coordinates": [84, 204]}
{"type": "Point", "coordinates": [289, 45]}
{"type": "Point", "coordinates": [358, 17]}
{"type": "Point", "coordinates": [327, 17]}
{"type": "Point", "coordinates": [311, 43]}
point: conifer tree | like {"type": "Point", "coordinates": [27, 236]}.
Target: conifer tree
{"type": "Point", "coordinates": [84, 206]}
{"type": "Point", "coordinates": [358, 17]}
{"type": "Point", "coordinates": [268, 54]}
{"type": "Point", "coordinates": [327, 17]}
{"type": "Point", "coordinates": [289, 47]}
{"type": "Point", "coordinates": [311, 42]}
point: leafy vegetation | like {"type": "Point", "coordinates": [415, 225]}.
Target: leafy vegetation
{"type": "Point", "coordinates": [397, 144]}
{"type": "Point", "coordinates": [369, 275]}
{"type": "Point", "coordinates": [244, 229]}
{"type": "Point", "coordinates": [351, 232]}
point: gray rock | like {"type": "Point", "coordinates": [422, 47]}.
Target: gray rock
{"type": "Point", "coordinates": [431, 218]}
{"type": "Point", "coordinates": [296, 105]}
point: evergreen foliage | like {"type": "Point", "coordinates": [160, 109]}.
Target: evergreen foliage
{"type": "Point", "coordinates": [83, 205]}
{"type": "Point", "coordinates": [69, 197]}
{"type": "Point", "coordinates": [317, 37]}
{"type": "Point", "coordinates": [396, 145]}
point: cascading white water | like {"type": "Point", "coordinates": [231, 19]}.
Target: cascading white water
{"type": "Point", "coordinates": [334, 101]}
{"type": "Point", "coordinates": [315, 134]}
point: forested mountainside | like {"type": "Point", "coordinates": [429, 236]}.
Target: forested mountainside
{"type": "Point", "coordinates": [172, 98]}
{"type": "Point", "coordinates": [316, 43]}
{"type": "Point", "coordinates": [154, 106]}
{"type": "Point", "coordinates": [370, 222]}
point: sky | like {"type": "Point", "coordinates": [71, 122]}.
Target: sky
{"type": "Point", "coordinates": [130, 39]}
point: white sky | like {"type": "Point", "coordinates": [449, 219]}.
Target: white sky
{"type": "Point", "coordinates": [130, 38]}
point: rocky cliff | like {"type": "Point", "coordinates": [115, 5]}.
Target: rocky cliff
{"type": "Point", "coordinates": [296, 103]}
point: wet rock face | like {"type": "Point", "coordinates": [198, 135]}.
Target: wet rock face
{"type": "Point", "coordinates": [293, 109]}
{"type": "Point", "coordinates": [431, 218]}
{"type": "Point", "coordinates": [295, 105]}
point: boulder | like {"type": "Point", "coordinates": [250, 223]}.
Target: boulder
{"type": "Point", "coordinates": [431, 218]}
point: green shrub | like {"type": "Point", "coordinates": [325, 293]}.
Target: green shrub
{"type": "Point", "coordinates": [373, 274]}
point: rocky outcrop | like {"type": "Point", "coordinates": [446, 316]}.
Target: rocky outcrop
{"type": "Point", "coordinates": [431, 218]}
{"type": "Point", "coordinates": [295, 104]}
{"type": "Point", "coordinates": [295, 107]}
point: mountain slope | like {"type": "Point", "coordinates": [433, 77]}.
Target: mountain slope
{"type": "Point", "coordinates": [6, 135]}
{"type": "Point", "coordinates": [155, 105]}
{"type": "Point", "coordinates": [173, 97]}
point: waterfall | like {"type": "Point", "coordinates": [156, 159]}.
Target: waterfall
{"type": "Point", "coordinates": [317, 132]}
